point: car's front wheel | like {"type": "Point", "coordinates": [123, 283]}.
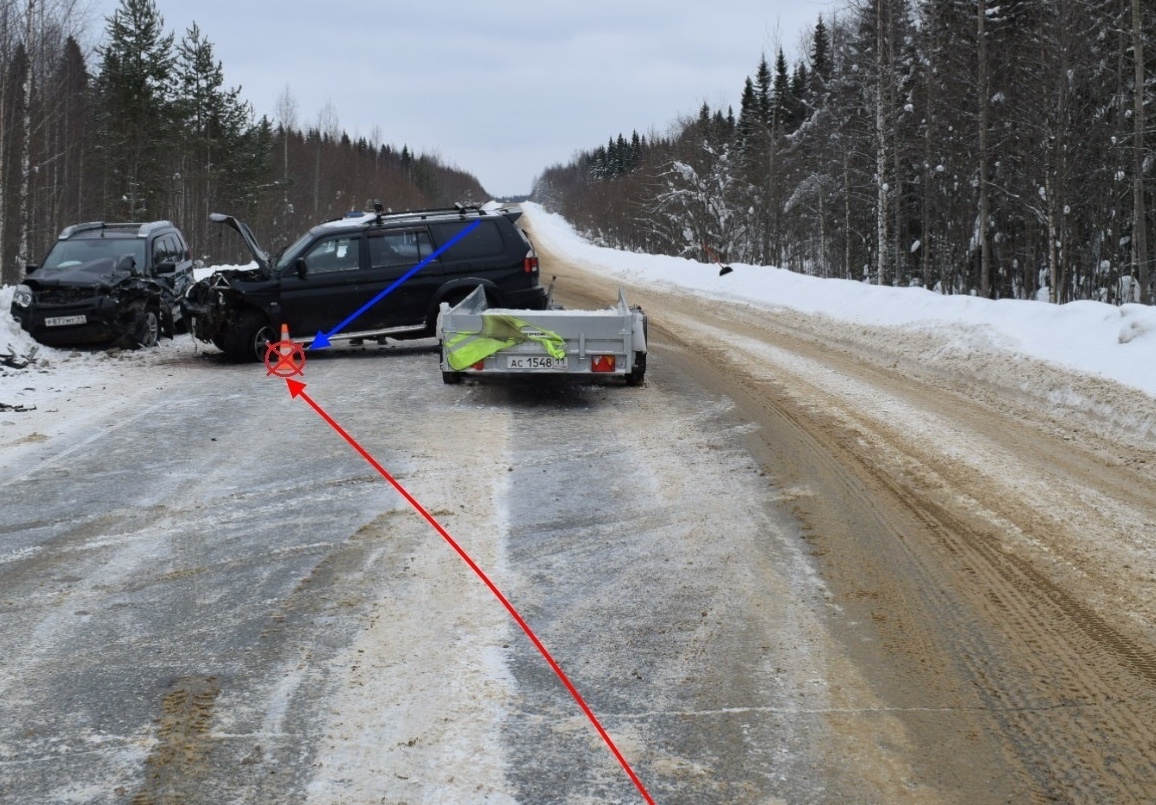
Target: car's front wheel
{"type": "Point", "coordinates": [248, 338]}
{"type": "Point", "coordinates": [147, 330]}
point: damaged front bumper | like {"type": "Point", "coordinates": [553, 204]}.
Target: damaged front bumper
{"type": "Point", "coordinates": [73, 316]}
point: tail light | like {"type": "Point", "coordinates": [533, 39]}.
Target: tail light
{"type": "Point", "coordinates": [480, 365]}
{"type": "Point", "coordinates": [530, 264]}
{"type": "Point", "coordinates": [601, 363]}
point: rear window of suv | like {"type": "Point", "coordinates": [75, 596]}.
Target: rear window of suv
{"type": "Point", "coordinates": [485, 241]}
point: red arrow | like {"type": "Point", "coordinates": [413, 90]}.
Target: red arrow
{"type": "Point", "coordinates": [297, 389]}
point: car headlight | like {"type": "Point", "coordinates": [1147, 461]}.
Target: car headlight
{"type": "Point", "coordinates": [22, 296]}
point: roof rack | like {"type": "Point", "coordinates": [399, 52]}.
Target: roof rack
{"type": "Point", "coordinates": [142, 230]}
{"type": "Point", "coordinates": [381, 215]}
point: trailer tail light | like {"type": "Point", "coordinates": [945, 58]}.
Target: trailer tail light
{"type": "Point", "coordinates": [530, 264]}
{"type": "Point", "coordinates": [480, 365]}
{"type": "Point", "coordinates": [602, 363]}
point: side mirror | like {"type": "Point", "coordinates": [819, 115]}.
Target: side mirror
{"type": "Point", "coordinates": [166, 268]}
{"type": "Point", "coordinates": [302, 268]}
{"type": "Point", "coordinates": [30, 267]}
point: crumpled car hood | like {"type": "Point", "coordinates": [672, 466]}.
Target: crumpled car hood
{"type": "Point", "coordinates": [86, 275]}
{"type": "Point", "coordinates": [224, 277]}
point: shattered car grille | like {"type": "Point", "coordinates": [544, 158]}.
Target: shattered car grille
{"type": "Point", "coordinates": [64, 296]}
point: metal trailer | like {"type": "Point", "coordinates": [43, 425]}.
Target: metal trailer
{"type": "Point", "coordinates": [596, 343]}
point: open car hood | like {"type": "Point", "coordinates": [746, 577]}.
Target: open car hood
{"type": "Point", "coordinates": [242, 229]}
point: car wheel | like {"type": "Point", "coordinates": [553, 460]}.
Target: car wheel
{"type": "Point", "coordinates": [248, 338]}
{"type": "Point", "coordinates": [453, 299]}
{"type": "Point", "coordinates": [148, 329]}
{"type": "Point", "coordinates": [451, 378]}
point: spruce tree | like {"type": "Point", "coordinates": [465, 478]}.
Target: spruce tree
{"type": "Point", "coordinates": [213, 123]}
{"type": "Point", "coordinates": [764, 94]}
{"type": "Point", "coordinates": [135, 87]}
{"type": "Point", "coordinates": [820, 55]}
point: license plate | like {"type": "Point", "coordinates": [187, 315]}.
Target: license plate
{"type": "Point", "coordinates": [536, 362]}
{"type": "Point", "coordinates": [64, 321]}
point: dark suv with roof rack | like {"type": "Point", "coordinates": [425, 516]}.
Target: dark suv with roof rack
{"type": "Point", "coordinates": [336, 268]}
{"type": "Point", "coordinates": [107, 282]}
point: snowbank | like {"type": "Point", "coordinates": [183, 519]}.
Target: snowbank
{"type": "Point", "coordinates": [1118, 343]}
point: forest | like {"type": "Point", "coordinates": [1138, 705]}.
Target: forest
{"type": "Point", "coordinates": [145, 128]}
{"type": "Point", "coordinates": [1000, 148]}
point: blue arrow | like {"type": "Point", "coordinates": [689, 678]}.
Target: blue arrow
{"type": "Point", "coordinates": [322, 339]}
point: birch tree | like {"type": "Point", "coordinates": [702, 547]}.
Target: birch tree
{"type": "Point", "coordinates": [1139, 209]}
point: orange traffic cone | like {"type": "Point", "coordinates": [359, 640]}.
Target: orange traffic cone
{"type": "Point", "coordinates": [285, 346]}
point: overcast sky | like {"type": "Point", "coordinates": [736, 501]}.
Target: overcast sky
{"type": "Point", "coordinates": [502, 90]}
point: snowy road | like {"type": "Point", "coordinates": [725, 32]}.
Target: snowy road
{"type": "Point", "coordinates": [985, 527]}
{"type": "Point", "coordinates": [209, 597]}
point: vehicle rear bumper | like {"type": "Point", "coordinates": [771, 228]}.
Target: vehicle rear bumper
{"type": "Point", "coordinates": [526, 299]}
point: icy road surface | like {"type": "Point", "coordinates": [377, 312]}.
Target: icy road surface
{"type": "Point", "coordinates": [984, 525]}
{"type": "Point", "coordinates": [208, 597]}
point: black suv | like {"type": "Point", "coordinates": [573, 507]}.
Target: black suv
{"type": "Point", "coordinates": [104, 282]}
{"type": "Point", "coordinates": [338, 267]}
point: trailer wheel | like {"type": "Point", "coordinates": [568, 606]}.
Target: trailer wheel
{"type": "Point", "coordinates": [638, 373]}
{"type": "Point", "coordinates": [451, 378]}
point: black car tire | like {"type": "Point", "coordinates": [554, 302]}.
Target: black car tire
{"type": "Point", "coordinates": [451, 378]}
{"type": "Point", "coordinates": [453, 299]}
{"type": "Point", "coordinates": [148, 329]}
{"type": "Point", "coordinates": [247, 340]}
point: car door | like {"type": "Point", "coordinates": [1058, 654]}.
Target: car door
{"type": "Point", "coordinates": [393, 253]}
{"type": "Point", "coordinates": [321, 289]}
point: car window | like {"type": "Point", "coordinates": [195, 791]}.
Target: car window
{"type": "Point", "coordinates": [170, 251]}
{"type": "Point", "coordinates": [79, 251]}
{"type": "Point", "coordinates": [159, 251]}
{"type": "Point", "coordinates": [180, 248]}
{"type": "Point", "coordinates": [485, 241]}
{"type": "Point", "coordinates": [399, 247]}
{"type": "Point", "coordinates": [334, 254]}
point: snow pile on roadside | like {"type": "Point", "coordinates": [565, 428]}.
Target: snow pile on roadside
{"type": "Point", "coordinates": [13, 339]}
{"type": "Point", "coordinates": [61, 388]}
{"type": "Point", "coordinates": [1118, 343]}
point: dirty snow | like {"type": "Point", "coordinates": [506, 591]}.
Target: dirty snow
{"type": "Point", "coordinates": [1118, 343]}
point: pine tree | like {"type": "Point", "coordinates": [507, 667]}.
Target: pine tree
{"type": "Point", "coordinates": [136, 113]}
{"type": "Point", "coordinates": [782, 94]}
{"type": "Point", "coordinates": [71, 132]}
{"type": "Point", "coordinates": [764, 94]}
{"type": "Point", "coordinates": [213, 122]}
{"type": "Point", "coordinates": [797, 107]}
{"type": "Point", "coordinates": [749, 117]}
{"type": "Point", "coordinates": [820, 55]}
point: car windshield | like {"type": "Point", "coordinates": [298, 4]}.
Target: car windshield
{"type": "Point", "coordinates": [71, 253]}
{"type": "Point", "coordinates": [292, 252]}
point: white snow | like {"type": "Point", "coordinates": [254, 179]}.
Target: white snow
{"type": "Point", "coordinates": [1118, 343]}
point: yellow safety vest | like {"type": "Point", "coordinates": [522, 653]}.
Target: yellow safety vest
{"type": "Point", "coordinates": [498, 332]}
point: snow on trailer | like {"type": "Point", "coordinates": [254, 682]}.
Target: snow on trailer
{"type": "Point", "coordinates": [476, 339]}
